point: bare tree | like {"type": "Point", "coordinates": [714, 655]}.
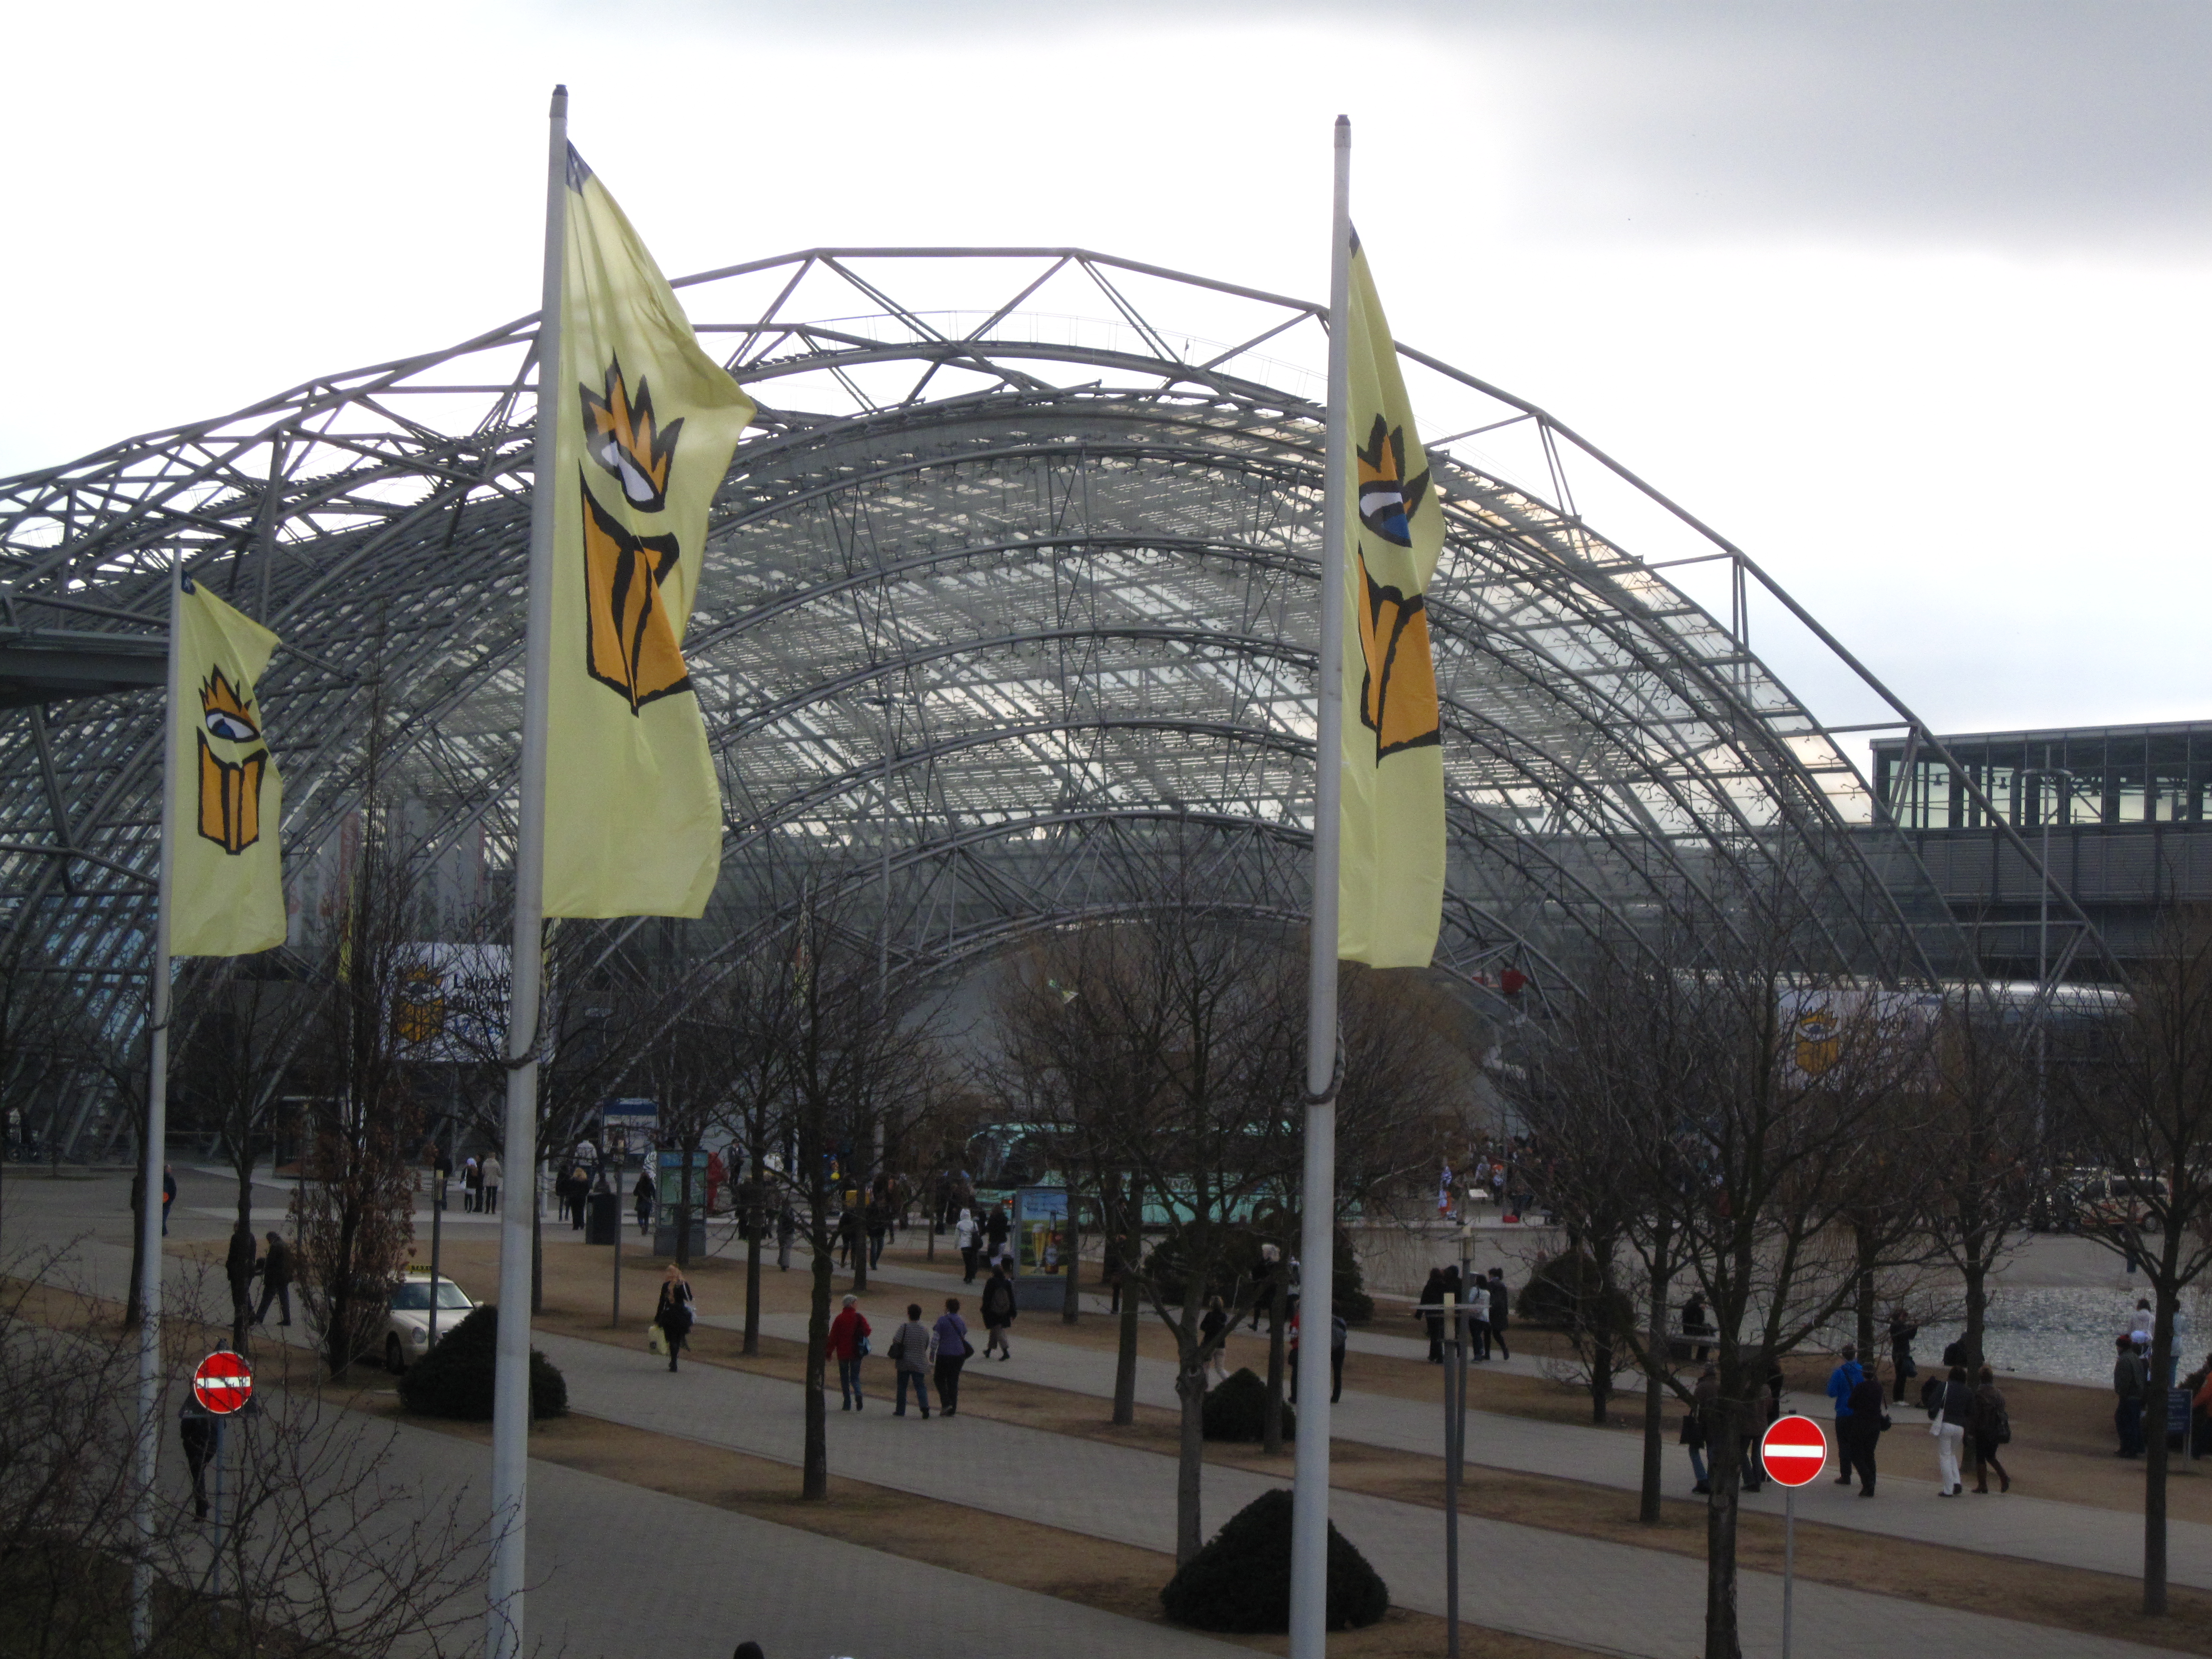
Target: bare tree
{"type": "Point", "coordinates": [851, 1050]}
{"type": "Point", "coordinates": [2146, 1114]}
{"type": "Point", "coordinates": [326, 1548]}
{"type": "Point", "coordinates": [1164, 1051]}
{"type": "Point", "coordinates": [243, 1024]}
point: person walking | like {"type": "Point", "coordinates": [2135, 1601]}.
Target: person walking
{"type": "Point", "coordinates": [491, 1176]}
{"type": "Point", "coordinates": [787, 1229]}
{"type": "Point", "coordinates": [1858, 1435]}
{"type": "Point", "coordinates": [195, 1431]}
{"type": "Point", "coordinates": [580, 1192]}
{"type": "Point", "coordinates": [168, 1196]}
{"type": "Point", "coordinates": [643, 1194]}
{"type": "Point", "coordinates": [2128, 1379]}
{"type": "Point", "coordinates": [1431, 1310]}
{"type": "Point", "coordinates": [1953, 1409]}
{"type": "Point", "coordinates": [1842, 1381]}
{"type": "Point", "coordinates": [1695, 1421]}
{"type": "Point", "coordinates": [911, 1351]}
{"type": "Point", "coordinates": [1989, 1426]}
{"type": "Point", "coordinates": [471, 1185]}
{"type": "Point", "coordinates": [998, 1312]}
{"type": "Point", "coordinates": [1338, 1336]}
{"type": "Point", "coordinates": [968, 1236]}
{"type": "Point", "coordinates": [1499, 1303]}
{"type": "Point", "coordinates": [848, 1344]}
{"type": "Point", "coordinates": [1210, 1325]}
{"type": "Point", "coordinates": [275, 1281]}
{"type": "Point", "coordinates": [1902, 1330]}
{"type": "Point", "coordinates": [951, 1331]}
{"type": "Point", "coordinates": [1696, 1326]}
{"type": "Point", "coordinates": [996, 1229]}
{"type": "Point", "coordinates": [673, 1315]}
{"type": "Point", "coordinates": [879, 1230]}
{"type": "Point", "coordinates": [1478, 1316]}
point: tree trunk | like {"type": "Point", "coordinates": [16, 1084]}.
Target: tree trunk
{"type": "Point", "coordinates": [1272, 1424]}
{"type": "Point", "coordinates": [755, 1220]}
{"type": "Point", "coordinates": [1125, 1354]}
{"type": "Point", "coordinates": [1600, 1376]}
{"type": "Point", "coordinates": [1190, 1449]}
{"type": "Point", "coordinates": [1865, 1309]}
{"type": "Point", "coordinates": [1723, 1640]}
{"type": "Point", "coordinates": [1071, 1305]}
{"type": "Point", "coordinates": [815, 1482]}
{"type": "Point", "coordinates": [1656, 1352]}
{"type": "Point", "coordinates": [241, 1291]}
{"type": "Point", "coordinates": [684, 1211]}
{"type": "Point", "coordinates": [537, 1249]}
{"type": "Point", "coordinates": [2155, 1393]}
{"type": "Point", "coordinates": [1977, 1308]}
{"type": "Point", "coordinates": [134, 1304]}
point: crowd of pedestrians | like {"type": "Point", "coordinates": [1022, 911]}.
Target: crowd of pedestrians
{"type": "Point", "coordinates": [1486, 1302]}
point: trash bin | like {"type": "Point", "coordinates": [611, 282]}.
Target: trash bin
{"type": "Point", "coordinates": [603, 1217]}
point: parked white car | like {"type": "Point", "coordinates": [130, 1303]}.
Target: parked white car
{"type": "Point", "coordinates": [407, 1316]}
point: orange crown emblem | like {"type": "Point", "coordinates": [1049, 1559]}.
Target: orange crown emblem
{"type": "Point", "coordinates": [620, 434]}
{"type": "Point", "coordinates": [226, 714]}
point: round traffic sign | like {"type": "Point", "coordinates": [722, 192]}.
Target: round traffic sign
{"type": "Point", "coordinates": [222, 1382]}
{"type": "Point", "coordinates": [1794, 1451]}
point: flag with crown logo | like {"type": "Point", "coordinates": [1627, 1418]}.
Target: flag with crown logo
{"type": "Point", "coordinates": [1390, 878]}
{"type": "Point", "coordinates": [648, 423]}
{"type": "Point", "coordinates": [227, 879]}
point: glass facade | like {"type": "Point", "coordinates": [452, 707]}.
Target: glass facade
{"type": "Point", "coordinates": [2100, 775]}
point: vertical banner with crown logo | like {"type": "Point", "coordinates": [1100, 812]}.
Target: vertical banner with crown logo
{"type": "Point", "coordinates": [1390, 881]}
{"type": "Point", "coordinates": [227, 888]}
{"type": "Point", "coordinates": [647, 422]}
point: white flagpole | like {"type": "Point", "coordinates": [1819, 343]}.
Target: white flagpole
{"type": "Point", "coordinates": [1309, 1484]}
{"type": "Point", "coordinates": [510, 1423]}
{"type": "Point", "coordinates": [148, 1448]}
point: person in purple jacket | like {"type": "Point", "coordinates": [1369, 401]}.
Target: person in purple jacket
{"type": "Point", "coordinates": [952, 1350]}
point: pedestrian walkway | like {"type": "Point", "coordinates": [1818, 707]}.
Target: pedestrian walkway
{"type": "Point", "coordinates": [1514, 1577]}
{"type": "Point", "coordinates": [2030, 1528]}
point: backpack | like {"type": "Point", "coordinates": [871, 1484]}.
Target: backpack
{"type": "Point", "coordinates": [1865, 1400]}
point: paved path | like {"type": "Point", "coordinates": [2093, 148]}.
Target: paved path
{"type": "Point", "coordinates": [1515, 1577]}
{"type": "Point", "coordinates": [2031, 1528]}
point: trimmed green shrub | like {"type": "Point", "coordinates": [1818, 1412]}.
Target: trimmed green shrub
{"type": "Point", "coordinates": [1237, 1409]}
{"type": "Point", "coordinates": [1242, 1580]}
{"type": "Point", "coordinates": [454, 1379]}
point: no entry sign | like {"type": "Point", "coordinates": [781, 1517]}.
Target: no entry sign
{"type": "Point", "coordinates": [223, 1382]}
{"type": "Point", "coordinates": [1794, 1451]}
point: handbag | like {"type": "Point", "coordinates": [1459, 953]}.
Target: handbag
{"type": "Point", "coordinates": [657, 1341]}
{"type": "Point", "coordinates": [898, 1349]}
{"type": "Point", "coordinates": [860, 1347]}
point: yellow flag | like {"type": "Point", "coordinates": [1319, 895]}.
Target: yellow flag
{"type": "Point", "coordinates": [227, 880]}
{"type": "Point", "coordinates": [646, 423]}
{"type": "Point", "coordinates": [1390, 881]}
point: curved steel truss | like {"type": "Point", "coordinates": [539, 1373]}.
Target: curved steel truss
{"type": "Point", "coordinates": [999, 600]}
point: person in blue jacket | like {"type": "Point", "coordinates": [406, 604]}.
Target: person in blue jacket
{"type": "Point", "coordinates": [1841, 1381]}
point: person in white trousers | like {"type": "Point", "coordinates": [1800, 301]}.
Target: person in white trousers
{"type": "Point", "coordinates": [1948, 1426]}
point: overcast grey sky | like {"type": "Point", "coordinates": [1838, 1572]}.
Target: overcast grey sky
{"type": "Point", "coordinates": [1907, 299]}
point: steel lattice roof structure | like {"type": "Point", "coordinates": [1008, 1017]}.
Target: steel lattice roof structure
{"type": "Point", "coordinates": [1016, 572]}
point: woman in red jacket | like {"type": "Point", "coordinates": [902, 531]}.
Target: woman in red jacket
{"type": "Point", "coordinates": [848, 1345]}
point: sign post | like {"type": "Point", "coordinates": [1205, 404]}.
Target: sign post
{"type": "Point", "coordinates": [1794, 1450]}
{"type": "Point", "coordinates": [222, 1386]}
